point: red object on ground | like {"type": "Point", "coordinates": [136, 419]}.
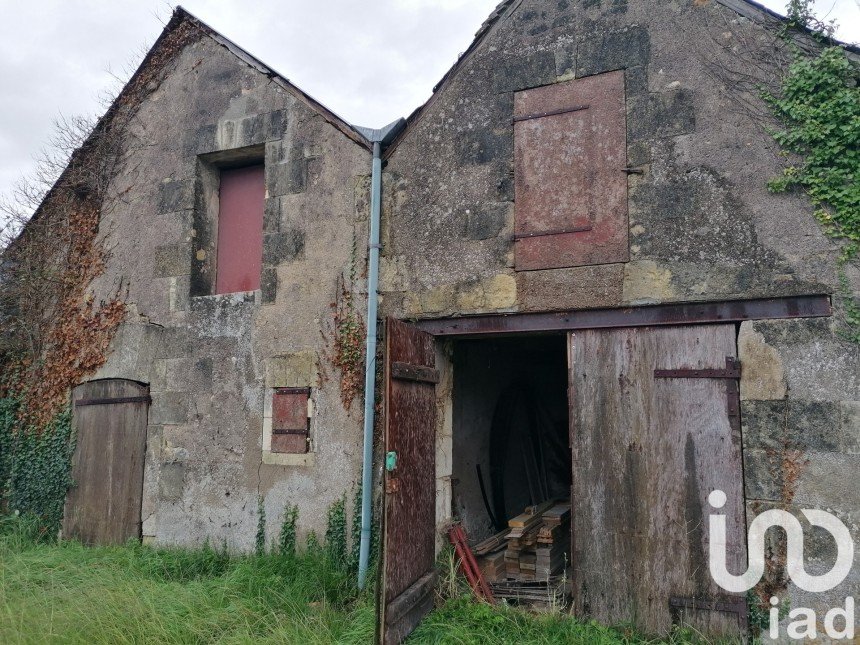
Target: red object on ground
{"type": "Point", "coordinates": [468, 564]}
{"type": "Point", "coordinates": [240, 230]}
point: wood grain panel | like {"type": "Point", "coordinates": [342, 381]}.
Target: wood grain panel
{"type": "Point", "coordinates": [409, 518]}
{"type": "Point", "coordinates": [104, 505]}
{"type": "Point", "coordinates": [646, 453]}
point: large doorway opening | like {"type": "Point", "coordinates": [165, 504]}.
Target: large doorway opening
{"type": "Point", "coordinates": [511, 451]}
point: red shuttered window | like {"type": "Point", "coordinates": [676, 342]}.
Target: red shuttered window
{"type": "Point", "coordinates": [240, 230]}
{"type": "Point", "coordinates": [290, 420]}
{"type": "Point", "coordinates": [570, 181]}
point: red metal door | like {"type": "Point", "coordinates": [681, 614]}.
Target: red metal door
{"type": "Point", "coordinates": [410, 481]}
{"type": "Point", "coordinates": [571, 188]}
{"type": "Point", "coordinates": [240, 230]}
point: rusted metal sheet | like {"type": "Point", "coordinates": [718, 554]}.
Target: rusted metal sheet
{"type": "Point", "coordinates": [647, 452]}
{"type": "Point", "coordinates": [570, 181]}
{"type": "Point", "coordinates": [290, 420]}
{"type": "Point", "coordinates": [240, 230]}
{"type": "Point", "coordinates": [410, 488]}
{"type": "Point", "coordinates": [656, 315]}
{"type": "Point", "coordinates": [110, 424]}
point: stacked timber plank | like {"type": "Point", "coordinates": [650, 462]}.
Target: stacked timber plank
{"type": "Point", "coordinates": [534, 548]}
{"type": "Point", "coordinates": [526, 562]}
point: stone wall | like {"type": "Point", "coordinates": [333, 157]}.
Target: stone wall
{"type": "Point", "coordinates": [702, 223]}
{"type": "Point", "coordinates": [211, 361]}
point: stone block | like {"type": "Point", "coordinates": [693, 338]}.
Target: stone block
{"type": "Point", "coordinates": [661, 114]}
{"type": "Point", "coordinates": [645, 281]}
{"type": "Point", "coordinates": [175, 195]}
{"type": "Point", "coordinates": [292, 370]}
{"type": "Point", "coordinates": [249, 130]}
{"type": "Point", "coordinates": [171, 482]}
{"type": "Point", "coordinates": [636, 80]}
{"type": "Point", "coordinates": [179, 293]}
{"type": "Point", "coordinates": [283, 247]}
{"type": "Point", "coordinates": [486, 220]}
{"type": "Point", "coordinates": [608, 51]}
{"type": "Point", "coordinates": [361, 197]}
{"type": "Point", "coordinates": [168, 408]}
{"type": "Point", "coordinates": [762, 475]}
{"type": "Point", "coordinates": [199, 141]}
{"type": "Point", "coordinates": [638, 154]}
{"type": "Point", "coordinates": [132, 351]}
{"type": "Point", "coordinates": [288, 177]}
{"type": "Point", "coordinates": [490, 294]}
{"type": "Point", "coordinates": [571, 288]}
{"type": "Point", "coordinates": [796, 425]}
{"type": "Point", "coordinates": [523, 72]}
{"type": "Point", "coordinates": [393, 273]}
{"type": "Point", "coordinates": [173, 342]}
{"type": "Point", "coordinates": [272, 215]}
{"type": "Point", "coordinates": [176, 374]}
{"type": "Point", "coordinates": [850, 423]}
{"type": "Point", "coordinates": [201, 375]}
{"type": "Point", "coordinates": [268, 285]}
{"type": "Point", "coordinates": [565, 63]}
{"type": "Point", "coordinates": [829, 480]}
{"type": "Point", "coordinates": [475, 147]}
{"type": "Point", "coordinates": [172, 260]}
{"type": "Point", "coordinates": [762, 376]}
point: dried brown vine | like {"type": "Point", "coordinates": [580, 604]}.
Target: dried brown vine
{"type": "Point", "coordinates": [53, 330]}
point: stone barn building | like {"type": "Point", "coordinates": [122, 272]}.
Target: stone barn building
{"type": "Point", "coordinates": [585, 290]}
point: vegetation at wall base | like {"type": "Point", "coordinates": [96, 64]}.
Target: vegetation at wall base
{"type": "Point", "coordinates": [68, 593]}
{"type": "Point", "coordinates": [35, 467]}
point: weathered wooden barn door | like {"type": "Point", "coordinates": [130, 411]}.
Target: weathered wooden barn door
{"type": "Point", "coordinates": [109, 417]}
{"type": "Point", "coordinates": [409, 520]}
{"type": "Point", "coordinates": [652, 435]}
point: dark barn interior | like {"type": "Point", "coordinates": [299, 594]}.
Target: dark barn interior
{"type": "Point", "coordinates": [510, 420]}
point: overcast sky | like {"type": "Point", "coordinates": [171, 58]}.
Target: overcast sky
{"type": "Point", "coordinates": [370, 61]}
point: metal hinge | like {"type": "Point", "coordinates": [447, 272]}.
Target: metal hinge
{"type": "Point", "coordinates": [730, 605]}
{"type": "Point", "coordinates": [731, 373]}
{"type": "Point", "coordinates": [732, 370]}
{"type": "Point", "coordinates": [114, 401]}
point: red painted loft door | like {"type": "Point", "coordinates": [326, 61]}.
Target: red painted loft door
{"type": "Point", "coordinates": [240, 230]}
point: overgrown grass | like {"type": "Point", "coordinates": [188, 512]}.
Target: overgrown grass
{"type": "Point", "coordinates": [67, 593]}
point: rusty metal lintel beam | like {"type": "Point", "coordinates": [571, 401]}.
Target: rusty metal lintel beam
{"type": "Point", "coordinates": [811, 306]}
{"type": "Point", "coordinates": [114, 401]}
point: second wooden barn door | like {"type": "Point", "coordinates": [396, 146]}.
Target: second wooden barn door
{"type": "Point", "coordinates": [110, 419]}
{"type": "Point", "coordinates": [655, 429]}
{"type": "Point", "coordinates": [409, 518]}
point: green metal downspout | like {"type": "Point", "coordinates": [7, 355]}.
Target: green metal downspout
{"type": "Point", "coordinates": [380, 138]}
{"type": "Point", "coordinates": [370, 364]}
